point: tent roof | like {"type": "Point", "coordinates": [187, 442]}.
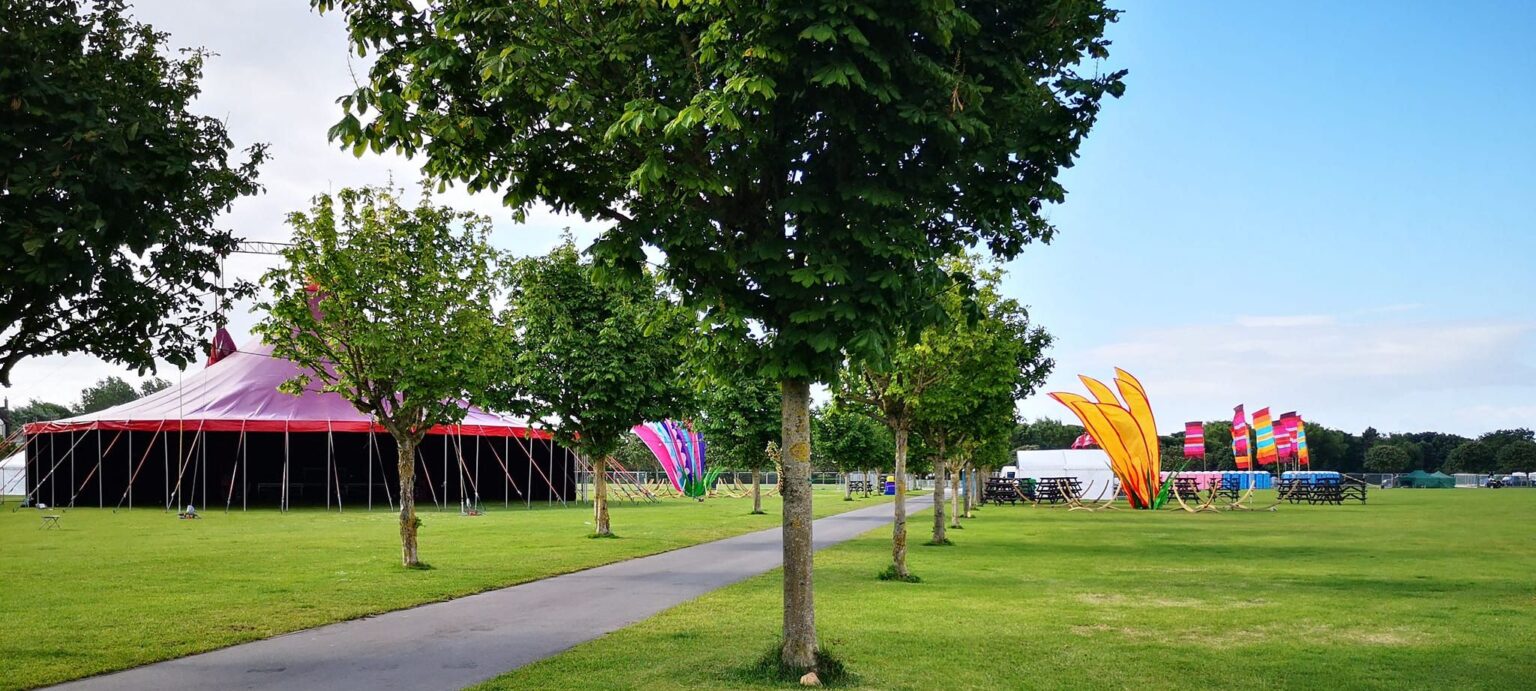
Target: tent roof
{"type": "Point", "coordinates": [239, 393]}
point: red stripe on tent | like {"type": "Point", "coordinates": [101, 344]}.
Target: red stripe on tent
{"type": "Point", "coordinates": [272, 426]}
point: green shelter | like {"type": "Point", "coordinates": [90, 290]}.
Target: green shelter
{"type": "Point", "coordinates": [1419, 478]}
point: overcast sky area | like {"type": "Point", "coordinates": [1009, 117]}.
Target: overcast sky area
{"type": "Point", "coordinates": [1316, 206]}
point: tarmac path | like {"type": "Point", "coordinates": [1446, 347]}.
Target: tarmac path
{"type": "Point", "coordinates": [450, 645]}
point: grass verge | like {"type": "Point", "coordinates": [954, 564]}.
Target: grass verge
{"type": "Point", "coordinates": [108, 591]}
{"type": "Point", "coordinates": [1418, 589]}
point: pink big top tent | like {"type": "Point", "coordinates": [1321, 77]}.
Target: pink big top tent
{"type": "Point", "coordinates": [227, 425]}
{"type": "Point", "coordinates": [239, 394]}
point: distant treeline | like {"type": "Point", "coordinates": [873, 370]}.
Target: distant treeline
{"type": "Point", "coordinates": [1501, 451]}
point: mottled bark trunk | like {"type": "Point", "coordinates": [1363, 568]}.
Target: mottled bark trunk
{"type": "Point", "coordinates": [940, 479]}
{"type": "Point", "coordinates": [847, 488]}
{"type": "Point", "coordinates": [954, 497]}
{"type": "Point", "coordinates": [799, 651]}
{"type": "Point", "coordinates": [406, 464]}
{"type": "Point", "coordinates": [600, 497]}
{"type": "Point", "coordinates": [757, 491]}
{"type": "Point", "coordinates": [899, 527]}
{"type": "Point", "coordinates": [970, 489]}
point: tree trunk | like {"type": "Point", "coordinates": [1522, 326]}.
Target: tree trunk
{"type": "Point", "coordinates": [406, 464]}
{"type": "Point", "coordinates": [899, 527]}
{"type": "Point", "coordinates": [757, 491]}
{"type": "Point", "coordinates": [970, 489]}
{"type": "Point", "coordinates": [939, 481]}
{"type": "Point", "coordinates": [799, 651]}
{"type": "Point", "coordinates": [600, 497]}
{"type": "Point", "coordinates": [847, 488]}
{"type": "Point", "coordinates": [954, 499]}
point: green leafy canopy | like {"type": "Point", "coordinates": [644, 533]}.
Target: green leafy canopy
{"type": "Point", "coordinates": [803, 165]}
{"type": "Point", "coordinates": [389, 306]}
{"type": "Point", "coordinates": [109, 186]}
{"type": "Point", "coordinates": [592, 358]}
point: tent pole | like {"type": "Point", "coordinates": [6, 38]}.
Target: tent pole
{"type": "Point", "coordinates": [477, 471]}
{"type": "Point", "coordinates": [330, 451]}
{"type": "Point", "coordinates": [53, 464]}
{"type": "Point", "coordinates": [284, 500]}
{"type": "Point", "coordinates": [165, 457]}
{"type": "Point", "coordinates": [101, 499]}
{"type": "Point", "coordinates": [506, 491]}
{"type": "Point", "coordinates": [205, 466]}
{"type": "Point", "coordinates": [528, 498]}
{"type": "Point", "coordinates": [384, 475]}
{"type": "Point", "coordinates": [245, 470]}
{"type": "Point", "coordinates": [70, 454]}
{"type": "Point", "coordinates": [370, 464]}
{"type": "Point", "coordinates": [425, 470]}
{"type": "Point", "coordinates": [130, 471]}
{"type": "Point", "coordinates": [444, 506]}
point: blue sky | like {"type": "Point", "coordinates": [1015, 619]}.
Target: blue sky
{"type": "Point", "coordinates": [1317, 206]}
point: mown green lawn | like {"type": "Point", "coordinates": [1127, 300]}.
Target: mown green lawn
{"type": "Point", "coordinates": [107, 591]}
{"type": "Point", "coordinates": [1419, 589]}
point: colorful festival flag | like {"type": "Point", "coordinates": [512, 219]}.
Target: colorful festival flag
{"type": "Point", "coordinates": [1264, 437]}
{"type": "Point", "coordinates": [1283, 445]}
{"type": "Point", "coordinates": [1194, 440]}
{"type": "Point", "coordinates": [1301, 442]}
{"type": "Point", "coordinates": [1240, 439]}
{"type": "Point", "coordinates": [1291, 422]}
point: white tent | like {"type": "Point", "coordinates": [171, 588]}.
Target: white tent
{"type": "Point", "coordinates": [13, 474]}
{"type": "Point", "coordinates": [1089, 466]}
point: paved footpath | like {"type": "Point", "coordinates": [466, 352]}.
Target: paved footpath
{"type": "Point", "coordinates": [450, 645]}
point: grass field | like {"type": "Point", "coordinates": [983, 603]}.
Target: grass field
{"type": "Point", "coordinates": [1419, 589]}
{"type": "Point", "coordinates": [107, 591]}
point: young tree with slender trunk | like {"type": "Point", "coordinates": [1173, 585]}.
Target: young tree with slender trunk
{"type": "Point", "coordinates": [850, 440]}
{"type": "Point", "coordinates": [592, 356]}
{"type": "Point", "coordinates": [982, 365]}
{"type": "Point", "coordinates": [390, 308]}
{"type": "Point", "coordinates": [740, 419]}
{"type": "Point", "coordinates": [802, 165]}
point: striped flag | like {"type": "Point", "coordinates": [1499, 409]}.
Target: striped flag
{"type": "Point", "coordinates": [1194, 440]}
{"type": "Point", "coordinates": [1301, 442]}
{"type": "Point", "coordinates": [1285, 432]}
{"type": "Point", "coordinates": [1263, 437]}
{"type": "Point", "coordinates": [1240, 439]}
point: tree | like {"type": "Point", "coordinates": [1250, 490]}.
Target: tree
{"type": "Point", "coordinates": [595, 357]}
{"type": "Point", "coordinates": [851, 441]}
{"type": "Point", "coordinates": [38, 411]}
{"type": "Point", "coordinates": [741, 418]}
{"type": "Point", "coordinates": [1517, 456]}
{"type": "Point", "coordinates": [1434, 447]}
{"type": "Point", "coordinates": [152, 385]}
{"type": "Point", "coordinates": [802, 166]}
{"type": "Point", "coordinates": [1471, 457]}
{"type": "Point", "coordinates": [956, 384]}
{"type": "Point", "coordinates": [1045, 433]}
{"type": "Point", "coordinates": [104, 394]}
{"type": "Point", "coordinates": [390, 308]}
{"type": "Point", "coordinates": [1387, 458]}
{"type": "Point", "coordinates": [110, 189]}
{"type": "Point", "coordinates": [635, 455]}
